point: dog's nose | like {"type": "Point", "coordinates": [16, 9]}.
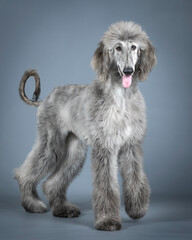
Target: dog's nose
{"type": "Point", "coordinates": [128, 71]}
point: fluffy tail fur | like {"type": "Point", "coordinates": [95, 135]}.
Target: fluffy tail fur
{"type": "Point", "coordinates": [37, 91]}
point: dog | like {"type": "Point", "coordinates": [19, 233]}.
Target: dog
{"type": "Point", "coordinates": [108, 114]}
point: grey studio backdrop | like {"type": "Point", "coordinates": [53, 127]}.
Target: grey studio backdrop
{"type": "Point", "coordinates": [58, 38]}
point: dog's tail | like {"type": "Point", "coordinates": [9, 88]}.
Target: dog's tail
{"type": "Point", "coordinates": [37, 91]}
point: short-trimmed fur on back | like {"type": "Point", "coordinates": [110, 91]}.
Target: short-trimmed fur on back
{"type": "Point", "coordinates": [123, 31]}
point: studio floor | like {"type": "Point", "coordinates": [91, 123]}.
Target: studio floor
{"type": "Point", "coordinates": [166, 219]}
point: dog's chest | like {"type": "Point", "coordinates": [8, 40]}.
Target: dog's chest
{"type": "Point", "coordinates": [115, 122]}
{"type": "Point", "coordinates": [122, 121]}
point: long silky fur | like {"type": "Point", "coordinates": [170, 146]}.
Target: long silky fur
{"type": "Point", "coordinates": [103, 114]}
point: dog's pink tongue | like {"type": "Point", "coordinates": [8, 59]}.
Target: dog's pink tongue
{"type": "Point", "coordinates": [127, 80]}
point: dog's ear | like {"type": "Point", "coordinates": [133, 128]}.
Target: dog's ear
{"type": "Point", "coordinates": [101, 61]}
{"type": "Point", "coordinates": [146, 61]}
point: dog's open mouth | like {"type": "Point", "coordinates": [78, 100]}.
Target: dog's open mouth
{"type": "Point", "coordinates": [126, 81]}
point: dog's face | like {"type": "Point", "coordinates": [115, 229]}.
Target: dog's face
{"type": "Point", "coordinates": [124, 56]}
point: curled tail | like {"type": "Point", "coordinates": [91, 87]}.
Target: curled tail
{"type": "Point", "coordinates": [37, 91]}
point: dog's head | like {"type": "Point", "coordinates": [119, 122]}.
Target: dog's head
{"type": "Point", "coordinates": [125, 49]}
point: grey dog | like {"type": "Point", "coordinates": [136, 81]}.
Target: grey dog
{"type": "Point", "coordinates": [108, 114]}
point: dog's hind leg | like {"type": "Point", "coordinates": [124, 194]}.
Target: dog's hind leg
{"type": "Point", "coordinates": [135, 184]}
{"type": "Point", "coordinates": [56, 185]}
{"type": "Point", "coordinates": [28, 175]}
{"type": "Point", "coordinates": [40, 161]}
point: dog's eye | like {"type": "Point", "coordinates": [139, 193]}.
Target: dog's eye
{"type": "Point", "coordinates": [133, 47]}
{"type": "Point", "coordinates": [118, 49]}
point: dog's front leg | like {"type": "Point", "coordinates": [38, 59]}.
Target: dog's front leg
{"type": "Point", "coordinates": [135, 184]}
{"type": "Point", "coordinates": [106, 196]}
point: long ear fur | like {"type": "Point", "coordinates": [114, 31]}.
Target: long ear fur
{"type": "Point", "coordinates": [146, 61]}
{"type": "Point", "coordinates": [101, 61]}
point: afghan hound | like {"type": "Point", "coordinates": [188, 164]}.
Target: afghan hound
{"type": "Point", "coordinates": [108, 114]}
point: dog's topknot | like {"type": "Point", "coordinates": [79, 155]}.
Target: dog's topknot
{"type": "Point", "coordinates": [122, 31]}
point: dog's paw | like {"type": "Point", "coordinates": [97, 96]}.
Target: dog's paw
{"type": "Point", "coordinates": [108, 225]}
{"type": "Point", "coordinates": [66, 211]}
{"type": "Point", "coordinates": [136, 207]}
{"type": "Point", "coordinates": [136, 214]}
{"type": "Point", "coordinates": [35, 206]}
